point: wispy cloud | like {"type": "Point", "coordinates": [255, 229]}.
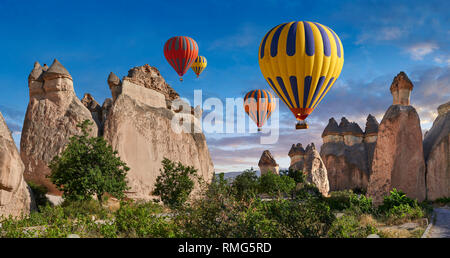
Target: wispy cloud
{"type": "Point", "coordinates": [419, 50]}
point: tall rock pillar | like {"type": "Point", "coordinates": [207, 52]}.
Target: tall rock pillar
{"type": "Point", "coordinates": [398, 160]}
{"type": "Point", "coordinates": [51, 119]}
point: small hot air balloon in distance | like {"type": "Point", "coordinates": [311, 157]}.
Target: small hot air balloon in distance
{"type": "Point", "coordinates": [258, 105]}
{"type": "Point", "coordinates": [301, 61]}
{"type": "Point", "coordinates": [199, 65]}
{"type": "Point", "coordinates": [180, 52]}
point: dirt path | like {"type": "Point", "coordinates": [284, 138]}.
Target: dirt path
{"type": "Point", "coordinates": [441, 228]}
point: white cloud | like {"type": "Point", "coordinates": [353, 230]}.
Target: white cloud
{"type": "Point", "coordinates": [419, 50]}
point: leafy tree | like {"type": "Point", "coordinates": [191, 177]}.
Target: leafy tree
{"type": "Point", "coordinates": [245, 185]}
{"type": "Point", "coordinates": [88, 166]}
{"type": "Point", "coordinates": [174, 184]}
{"type": "Point", "coordinates": [297, 175]}
{"type": "Point", "coordinates": [275, 185]}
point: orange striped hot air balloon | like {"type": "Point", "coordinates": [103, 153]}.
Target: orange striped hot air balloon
{"type": "Point", "coordinates": [258, 105]}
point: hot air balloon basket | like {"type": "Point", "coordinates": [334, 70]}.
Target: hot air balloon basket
{"type": "Point", "coordinates": [300, 126]}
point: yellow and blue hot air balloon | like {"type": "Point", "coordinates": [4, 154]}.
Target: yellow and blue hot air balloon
{"type": "Point", "coordinates": [258, 105]}
{"type": "Point", "coordinates": [301, 61]}
{"type": "Point", "coordinates": [199, 65]}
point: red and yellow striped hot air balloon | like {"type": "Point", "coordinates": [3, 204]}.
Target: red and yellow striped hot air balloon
{"type": "Point", "coordinates": [180, 52]}
{"type": "Point", "coordinates": [258, 105]}
{"type": "Point", "coordinates": [301, 61]}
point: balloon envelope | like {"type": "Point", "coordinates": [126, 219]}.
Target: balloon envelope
{"type": "Point", "coordinates": [258, 105]}
{"type": "Point", "coordinates": [180, 52]}
{"type": "Point", "coordinates": [301, 61]}
{"type": "Point", "coordinates": [199, 65]}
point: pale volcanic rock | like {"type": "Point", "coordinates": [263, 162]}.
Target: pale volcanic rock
{"type": "Point", "coordinates": [51, 119]}
{"type": "Point", "coordinates": [345, 155]}
{"type": "Point", "coordinates": [106, 107]}
{"type": "Point", "coordinates": [139, 127]}
{"type": "Point", "coordinates": [90, 103]}
{"type": "Point", "coordinates": [398, 160]}
{"type": "Point", "coordinates": [150, 77]}
{"type": "Point", "coordinates": [401, 88]}
{"type": "Point", "coordinates": [436, 146]}
{"type": "Point", "coordinates": [297, 155]}
{"type": "Point", "coordinates": [267, 163]}
{"type": "Point", "coordinates": [310, 163]}
{"type": "Point", "coordinates": [15, 195]}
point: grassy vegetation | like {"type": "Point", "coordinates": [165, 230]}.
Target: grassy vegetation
{"type": "Point", "coordinates": [220, 209]}
{"type": "Point", "coordinates": [224, 210]}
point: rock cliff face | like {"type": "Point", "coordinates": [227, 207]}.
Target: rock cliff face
{"type": "Point", "coordinates": [347, 153]}
{"type": "Point", "coordinates": [310, 162]}
{"type": "Point", "coordinates": [51, 119]}
{"type": "Point", "coordinates": [436, 147]}
{"type": "Point", "coordinates": [139, 127]}
{"type": "Point", "coordinates": [267, 163]}
{"type": "Point", "coordinates": [398, 160]}
{"type": "Point", "coordinates": [15, 195]}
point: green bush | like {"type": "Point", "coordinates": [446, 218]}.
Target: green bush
{"type": "Point", "coordinates": [308, 190]}
{"type": "Point", "coordinates": [275, 185]}
{"type": "Point", "coordinates": [361, 204]}
{"type": "Point", "coordinates": [39, 192]}
{"type": "Point", "coordinates": [245, 185]}
{"type": "Point", "coordinates": [443, 200]}
{"type": "Point", "coordinates": [88, 166]}
{"type": "Point", "coordinates": [141, 220]}
{"type": "Point", "coordinates": [174, 184]}
{"type": "Point", "coordinates": [297, 175]}
{"type": "Point", "coordinates": [348, 226]}
{"type": "Point", "coordinates": [394, 199]}
{"type": "Point", "coordinates": [307, 218]}
{"type": "Point", "coordinates": [340, 200]}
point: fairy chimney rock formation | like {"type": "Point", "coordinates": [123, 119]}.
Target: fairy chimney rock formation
{"type": "Point", "coordinates": [401, 89]}
{"type": "Point", "coordinates": [332, 132]}
{"type": "Point", "coordinates": [398, 160]}
{"type": "Point", "coordinates": [140, 126]}
{"type": "Point", "coordinates": [345, 154]}
{"type": "Point", "coordinates": [297, 155]}
{"type": "Point", "coordinates": [51, 119]}
{"type": "Point", "coordinates": [267, 163]}
{"type": "Point", "coordinates": [436, 146]}
{"type": "Point", "coordinates": [15, 196]}
{"type": "Point", "coordinates": [310, 163]}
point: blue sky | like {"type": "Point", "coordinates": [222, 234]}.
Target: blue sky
{"type": "Point", "coordinates": [93, 38]}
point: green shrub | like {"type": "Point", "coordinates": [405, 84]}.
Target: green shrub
{"type": "Point", "coordinates": [394, 199]}
{"type": "Point", "coordinates": [308, 190]}
{"type": "Point", "coordinates": [340, 200]}
{"type": "Point", "coordinates": [361, 204]}
{"type": "Point", "coordinates": [297, 175]}
{"type": "Point", "coordinates": [140, 220]}
{"type": "Point", "coordinates": [443, 200]}
{"type": "Point", "coordinates": [307, 218]}
{"type": "Point", "coordinates": [275, 185]}
{"type": "Point", "coordinates": [245, 185]}
{"type": "Point", "coordinates": [348, 226]}
{"type": "Point", "coordinates": [39, 192]}
{"type": "Point", "coordinates": [88, 166]}
{"type": "Point", "coordinates": [174, 184]}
